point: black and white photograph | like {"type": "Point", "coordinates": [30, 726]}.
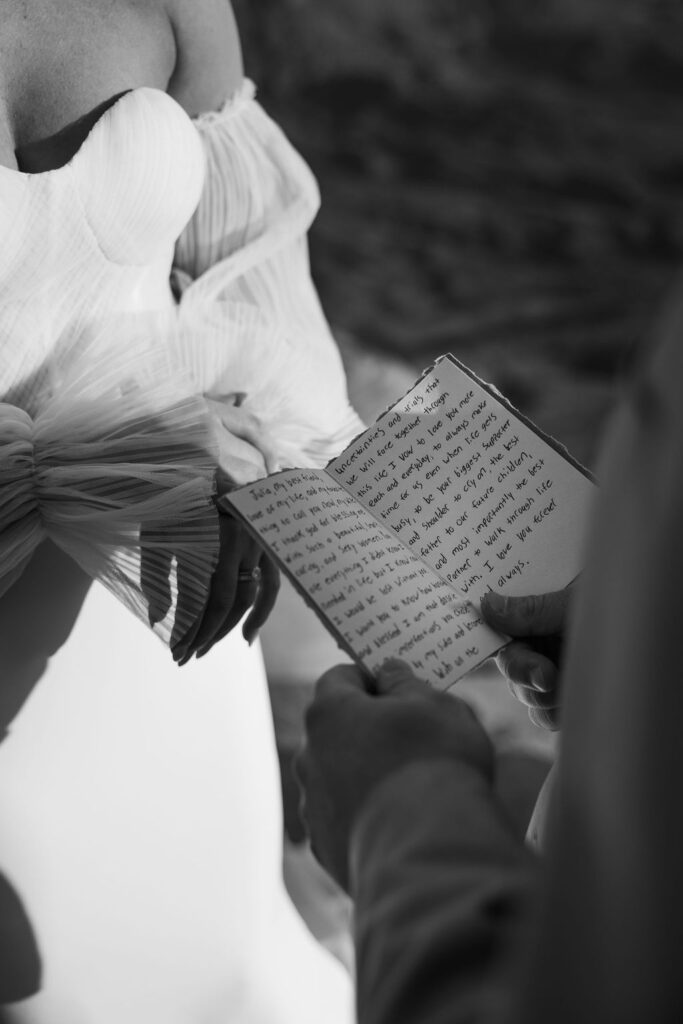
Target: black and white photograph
{"type": "Point", "coordinates": [341, 511]}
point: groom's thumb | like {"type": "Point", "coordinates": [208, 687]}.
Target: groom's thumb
{"type": "Point", "coordinates": [396, 676]}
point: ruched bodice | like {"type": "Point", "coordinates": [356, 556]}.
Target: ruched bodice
{"type": "Point", "coordinates": [98, 233]}
{"type": "Point", "coordinates": [95, 236]}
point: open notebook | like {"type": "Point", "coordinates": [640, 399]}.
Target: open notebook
{"type": "Point", "coordinates": [449, 494]}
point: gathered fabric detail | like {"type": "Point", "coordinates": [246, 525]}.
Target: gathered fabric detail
{"type": "Point", "coordinates": [233, 105]}
{"type": "Point", "coordinates": [259, 196]}
{"type": "Point", "coordinates": [117, 461]}
{"type": "Point", "coordinates": [22, 529]}
{"type": "Point", "coordinates": [117, 469]}
{"type": "Point", "coordinates": [242, 277]}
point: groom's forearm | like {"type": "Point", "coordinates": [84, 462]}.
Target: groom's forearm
{"type": "Point", "coordinates": [444, 894]}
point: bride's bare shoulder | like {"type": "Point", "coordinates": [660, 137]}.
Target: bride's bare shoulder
{"type": "Point", "coordinates": [208, 55]}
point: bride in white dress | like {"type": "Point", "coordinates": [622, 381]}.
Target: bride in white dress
{"type": "Point", "coordinates": [140, 825]}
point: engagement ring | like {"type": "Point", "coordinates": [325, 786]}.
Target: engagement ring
{"type": "Point", "coordinates": [252, 576]}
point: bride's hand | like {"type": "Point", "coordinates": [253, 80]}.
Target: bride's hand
{"type": "Point", "coordinates": [246, 450]}
{"type": "Point", "coordinates": [245, 577]}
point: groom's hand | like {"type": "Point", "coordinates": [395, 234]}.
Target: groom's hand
{"type": "Point", "coordinates": [359, 733]}
{"type": "Point", "coordinates": [537, 623]}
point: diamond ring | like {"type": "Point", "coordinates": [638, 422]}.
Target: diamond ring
{"type": "Point", "coordinates": [251, 576]}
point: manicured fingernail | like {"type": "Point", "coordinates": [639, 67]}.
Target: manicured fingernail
{"type": "Point", "coordinates": [538, 680]}
{"type": "Point", "coordinates": [155, 615]}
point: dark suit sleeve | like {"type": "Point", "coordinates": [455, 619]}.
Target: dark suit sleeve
{"type": "Point", "coordinates": [610, 944]}
{"type": "Point", "coordinates": [443, 895]}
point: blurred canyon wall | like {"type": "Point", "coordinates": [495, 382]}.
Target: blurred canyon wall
{"type": "Point", "coordinates": [500, 179]}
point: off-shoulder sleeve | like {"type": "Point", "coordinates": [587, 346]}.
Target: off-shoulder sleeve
{"type": "Point", "coordinates": [115, 463]}
{"type": "Point", "coordinates": [242, 271]}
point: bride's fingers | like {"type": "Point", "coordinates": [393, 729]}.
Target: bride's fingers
{"type": "Point", "coordinates": [265, 601]}
{"type": "Point", "coordinates": [155, 571]}
{"type": "Point", "coordinates": [240, 460]}
{"type": "Point", "coordinates": [243, 601]}
{"type": "Point", "coordinates": [184, 637]}
{"type": "Point", "coordinates": [189, 610]}
{"type": "Point", "coordinates": [249, 591]}
{"type": "Point", "coordinates": [230, 596]}
{"type": "Point", "coordinates": [240, 422]}
{"type": "Point", "coordinates": [222, 597]}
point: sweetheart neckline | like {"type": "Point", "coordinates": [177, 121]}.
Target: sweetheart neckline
{"type": "Point", "coordinates": [52, 151]}
{"type": "Point", "coordinates": [93, 129]}
{"type": "Point", "coordinates": [96, 127]}
{"type": "Point", "coordinates": [245, 89]}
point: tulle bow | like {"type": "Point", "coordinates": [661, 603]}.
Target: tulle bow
{"type": "Point", "coordinates": [118, 463]}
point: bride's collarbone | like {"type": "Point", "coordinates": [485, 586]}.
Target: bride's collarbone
{"type": "Point", "coordinates": [60, 60]}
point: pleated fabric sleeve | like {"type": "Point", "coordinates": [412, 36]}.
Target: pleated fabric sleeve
{"type": "Point", "coordinates": [242, 270]}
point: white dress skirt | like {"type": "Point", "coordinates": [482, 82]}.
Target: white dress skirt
{"type": "Point", "coordinates": [140, 819]}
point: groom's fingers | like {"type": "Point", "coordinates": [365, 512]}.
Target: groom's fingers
{"type": "Point", "coordinates": [526, 667]}
{"type": "Point", "coordinates": [397, 677]}
{"type": "Point", "coordinates": [340, 683]}
{"type": "Point", "coordinates": [531, 615]}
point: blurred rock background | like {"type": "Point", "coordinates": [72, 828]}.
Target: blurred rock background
{"type": "Point", "coordinates": [502, 180]}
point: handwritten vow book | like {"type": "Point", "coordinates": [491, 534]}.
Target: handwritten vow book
{"type": "Point", "coordinates": [450, 493]}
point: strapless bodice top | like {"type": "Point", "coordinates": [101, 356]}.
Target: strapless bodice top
{"type": "Point", "coordinates": [99, 232]}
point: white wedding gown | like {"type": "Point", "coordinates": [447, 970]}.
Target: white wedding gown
{"type": "Point", "coordinates": [140, 820]}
